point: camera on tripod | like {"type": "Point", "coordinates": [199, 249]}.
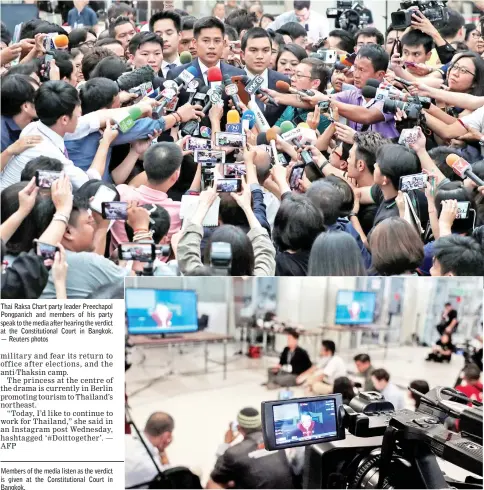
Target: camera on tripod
{"type": "Point", "coordinates": [369, 445]}
{"type": "Point", "coordinates": [349, 15]}
{"type": "Point", "coordinates": [435, 11]}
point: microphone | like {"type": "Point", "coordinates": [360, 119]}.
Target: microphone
{"type": "Point", "coordinates": [183, 79]}
{"type": "Point", "coordinates": [462, 168]}
{"type": "Point", "coordinates": [59, 41]}
{"type": "Point", "coordinates": [404, 82]}
{"type": "Point", "coordinates": [286, 88]}
{"type": "Point", "coordinates": [233, 122]}
{"type": "Point", "coordinates": [271, 136]}
{"type": "Point", "coordinates": [252, 87]}
{"type": "Point", "coordinates": [248, 119]}
{"type": "Point", "coordinates": [126, 122]}
{"type": "Point", "coordinates": [290, 133]}
{"type": "Point", "coordinates": [215, 95]}
{"type": "Point", "coordinates": [260, 121]}
{"type": "Point", "coordinates": [232, 91]}
{"type": "Point", "coordinates": [196, 89]}
{"type": "Point", "coordinates": [137, 80]}
{"type": "Point", "coordinates": [368, 92]}
{"type": "Point", "coordinates": [214, 76]}
{"type": "Point", "coordinates": [304, 125]}
{"type": "Point", "coordinates": [373, 82]}
{"type": "Point", "coordinates": [185, 57]}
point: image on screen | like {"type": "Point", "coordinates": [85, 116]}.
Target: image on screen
{"type": "Point", "coordinates": [355, 307]}
{"type": "Point", "coordinates": [160, 311]}
{"type": "Point", "coordinates": [304, 421]}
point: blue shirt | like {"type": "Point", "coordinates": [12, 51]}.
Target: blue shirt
{"type": "Point", "coordinates": [82, 151]}
{"type": "Point", "coordinates": [10, 132]}
{"type": "Point", "coordinates": [86, 17]}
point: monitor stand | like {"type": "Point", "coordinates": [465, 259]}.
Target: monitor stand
{"type": "Point", "coordinates": [166, 336]}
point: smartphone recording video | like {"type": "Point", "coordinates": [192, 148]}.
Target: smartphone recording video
{"type": "Point", "coordinates": [230, 140]}
{"type": "Point", "coordinates": [234, 169]}
{"type": "Point", "coordinates": [114, 210]}
{"type": "Point", "coordinates": [412, 182]}
{"type": "Point", "coordinates": [229, 185]}
{"type": "Point", "coordinates": [295, 177]}
{"type": "Point", "coordinates": [462, 209]}
{"type": "Point", "coordinates": [142, 252]}
{"type": "Point", "coordinates": [45, 178]}
{"type": "Point", "coordinates": [103, 194]}
{"type": "Point", "coordinates": [193, 144]}
{"type": "Point", "coordinates": [302, 421]}
{"type": "Point", "coordinates": [46, 251]}
{"type": "Point", "coordinates": [207, 158]}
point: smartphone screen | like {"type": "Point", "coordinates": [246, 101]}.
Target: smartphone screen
{"type": "Point", "coordinates": [296, 175]}
{"type": "Point", "coordinates": [114, 210]}
{"type": "Point", "coordinates": [193, 144]}
{"type": "Point", "coordinates": [412, 182]}
{"type": "Point", "coordinates": [46, 251]}
{"type": "Point", "coordinates": [234, 170]}
{"type": "Point", "coordinates": [229, 185]}
{"type": "Point", "coordinates": [142, 252]}
{"type": "Point", "coordinates": [45, 178]}
{"type": "Point", "coordinates": [462, 209]}
{"type": "Point", "coordinates": [103, 194]}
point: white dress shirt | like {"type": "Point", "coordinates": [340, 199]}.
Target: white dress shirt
{"type": "Point", "coordinates": [139, 467]}
{"type": "Point", "coordinates": [52, 146]}
{"type": "Point", "coordinates": [264, 74]}
{"type": "Point", "coordinates": [164, 65]}
{"type": "Point", "coordinates": [332, 367]}
{"type": "Point", "coordinates": [204, 70]}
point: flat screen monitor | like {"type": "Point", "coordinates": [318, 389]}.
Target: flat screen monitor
{"type": "Point", "coordinates": [161, 311]}
{"type": "Point", "coordinates": [355, 307]}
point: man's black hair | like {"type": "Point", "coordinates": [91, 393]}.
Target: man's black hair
{"type": "Point", "coordinates": [55, 99]}
{"type": "Point", "coordinates": [208, 23]}
{"type": "Point", "coordinates": [319, 71]}
{"type": "Point", "coordinates": [28, 69]}
{"type": "Point", "coordinates": [439, 155]}
{"type": "Point", "coordinates": [5, 35]}
{"type": "Point", "coordinates": [255, 33]}
{"type": "Point", "coordinates": [63, 60]}
{"type": "Point", "coordinates": [166, 14]}
{"type": "Point", "coordinates": [107, 41]}
{"type": "Point", "coordinates": [111, 67]}
{"type": "Point", "coordinates": [459, 255]}
{"type": "Point", "coordinates": [242, 22]}
{"type": "Point", "coordinates": [49, 28]}
{"type": "Point", "coordinates": [161, 161]}
{"type": "Point", "coordinates": [391, 28]}
{"type": "Point", "coordinates": [362, 358]}
{"type": "Point", "coordinates": [92, 58]}
{"type": "Point", "coordinates": [142, 38]}
{"type": "Point", "coordinates": [292, 29]}
{"type": "Point", "coordinates": [118, 22]}
{"type": "Point", "coordinates": [381, 374]}
{"type": "Point", "coordinates": [329, 345]}
{"type": "Point", "coordinates": [377, 55]}
{"type": "Point", "coordinates": [40, 163]}
{"type": "Point", "coordinates": [292, 332]}
{"type": "Point", "coordinates": [420, 385]}
{"type": "Point", "coordinates": [89, 189]}
{"type": "Point", "coordinates": [327, 198]}
{"type": "Point", "coordinates": [469, 28]}
{"type": "Point", "coordinates": [367, 145]}
{"type": "Point", "coordinates": [181, 13]}
{"type": "Point", "coordinates": [448, 304]}
{"type": "Point", "coordinates": [276, 38]}
{"type": "Point", "coordinates": [79, 36]}
{"type": "Point", "coordinates": [231, 33]}
{"type": "Point", "coordinates": [370, 32]}
{"type": "Point", "coordinates": [347, 41]}
{"type": "Point", "coordinates": [97, 93]}
{"type": "Point", "coordinates": [297, 224]}
{"type": "Point", "coordinates": [455, 22]}
{"type": "Point", "coordinates": [472, 372]}
{"type": "Point", "coordinates": [346, 192]}
{"type": "Point", "coordinates": [395, 161]}
{"type": "Point", "coordinates": [118, 9]}
{"type": "Point", "coordinates": [28, 28]}
{"type": "Point", "coordinates": [302, 4]}
{"type": "Point", "coordinates": [188, 22]}
{"type": "Point", "coordinates": [415, 38]}
{"type": "Point", "coordinates": [16, 91]}
{"type": "Point", "coordinates": [160, 223]}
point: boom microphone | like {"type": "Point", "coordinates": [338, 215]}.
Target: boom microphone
{"type": "Point", "coordinates": [368, 92]}
{"type": "Point", "coordinates": [373, 82]}
{"type": "Point", "coordinates": [136, 78]}
{"type": "Point", "coordinates": [462, 168]}
{"type": "Point", "coordinates": [286, 88]}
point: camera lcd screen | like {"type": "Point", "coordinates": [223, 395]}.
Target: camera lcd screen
{"type": "Point", "coordinates": [115, 210]}
{"type": "Point", "coordinates": [305, 421]}
{"type": "Point", "coordinates": [355, 307]}
{"type": "Point", "coordinates": [160, 311]}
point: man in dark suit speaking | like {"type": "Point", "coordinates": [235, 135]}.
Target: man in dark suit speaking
{"type": "Point", "coordinates": [307, 427]}
{"type": "Point", "coordinates": [256, 53]}
{"type": "Point", "coordinates": [208, 33]}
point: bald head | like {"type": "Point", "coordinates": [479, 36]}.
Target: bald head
{"type": "Point", "coordinates": [159, 423]}
{"type": "Point", "coordinates": [262, 162]}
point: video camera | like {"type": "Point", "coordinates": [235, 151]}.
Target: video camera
{"type": "Point", "coordinates": [435, 11]}
{"type": "Point", "coordinates": [348, 15]}
{"type": "Point", "coordinates": [221, 258]}
{"type": "Point", "coordinates": [370, 445]}
{"type": "Point", "coordinates": [145, 252]}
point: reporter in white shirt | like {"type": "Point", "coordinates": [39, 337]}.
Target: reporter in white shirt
{"type": "Point", "coordinates": [157, 436]}
{"type": "Point", "coordinates": [320, 377]}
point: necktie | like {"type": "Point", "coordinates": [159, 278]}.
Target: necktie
{"type": "Point", "coordinates": [170, 66]}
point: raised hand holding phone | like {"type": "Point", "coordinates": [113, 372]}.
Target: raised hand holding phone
{"type": "Point", "coordinates": [27, 197]}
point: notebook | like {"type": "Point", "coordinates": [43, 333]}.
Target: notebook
{"type": "Point", "coordinates": [189, 205]}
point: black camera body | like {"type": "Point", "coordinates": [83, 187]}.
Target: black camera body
{"type": "Point", "coordinates": [435, 11]}
{"type": "Point", "coordinates": [348, 15]}
{"type": "Point", "coordinates": [381, 448]}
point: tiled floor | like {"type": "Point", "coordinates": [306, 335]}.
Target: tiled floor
{"type": "Point", "coordinates": [203, 405]}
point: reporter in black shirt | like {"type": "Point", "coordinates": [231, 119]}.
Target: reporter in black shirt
{"type": "Point", "coordinates": [293, 361]}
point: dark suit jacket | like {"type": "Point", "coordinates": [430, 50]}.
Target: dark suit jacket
{"type": "Point", "coordinates": [272, 112]}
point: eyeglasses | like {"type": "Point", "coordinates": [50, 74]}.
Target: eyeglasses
{"type": "Point", "coordinates": [462, 70]}
{"type": "Point", "coordinates": [298, 76]}
{"type": "Point", "coordinates": [88, 44]}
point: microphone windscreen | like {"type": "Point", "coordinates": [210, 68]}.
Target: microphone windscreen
{"type": "Point", "coordinates": [214, 74]}
{"type": "Point", "coordinates": [368, 92]}
{"type": "Point", "coordinates": [373, 82]}
{"type": "Point", "coordinates": [134, 112]}
{"type": "Point", "coordinates": [250, 116]}
{"type": "Point", "coordinates": [282, 86]}
{"type": "Point", "coordinates": [186, 57]}
{"type": "Point", "coordinates": [271, 135]}
{"type": "Point", "coordinates": [233, 117]}
{"type": "Point", "coordinates": [303, 125]}
{"type": "Point", "coordinates": [286, 126]}
{"type": "Point", "coordinates": [451, 159]}
{"type": "Point", "coordinates": [61, 41]}
{"type": "Point", "coordinates": [192, 70]}
{"type": "Point", "coordinates": [134, 78]}
{"type": "Point", "coordinates": [262, 139]}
